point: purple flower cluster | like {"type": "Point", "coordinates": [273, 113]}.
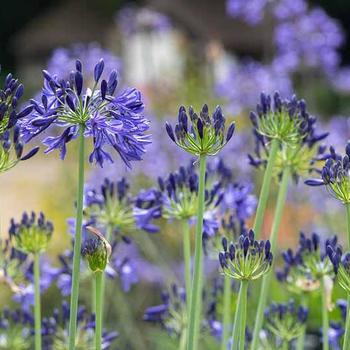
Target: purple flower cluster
{"type": "Point", "coordinates": [110, 120]}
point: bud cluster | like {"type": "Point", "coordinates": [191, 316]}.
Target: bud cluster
{"type": "Point", "coordinates": [247, 259]}
{"type": "Point", "coordinates": [200, 135]}
{"type": "Point", "coordinates": [32, 234]}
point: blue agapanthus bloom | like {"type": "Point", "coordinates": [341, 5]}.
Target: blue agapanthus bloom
{"type": "Point", "coordinates": [55, 330]}
{"type": "Point", "coordinates": [16, 329]}
{"type": "Point", "coordinates": [335, 175]}
{"type": "Point", "coordinates": [11, 144]}
{"type": "Point", "coordinates": [111, 206]}
{"type": "Point", "coordinates": [172, 313]}
{"type": "Point", "coordinates": [112, 121]}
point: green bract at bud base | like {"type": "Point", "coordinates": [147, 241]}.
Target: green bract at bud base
{"type": "Point", "coordinates": [32, 235]}
{"type": "Point", "coordinates": [96, 251]}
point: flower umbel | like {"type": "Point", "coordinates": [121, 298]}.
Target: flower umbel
{"type": "Point", "coordinates": [286, 321]}
{"type": "Point", "coordinates": [341, 264]}
{"type": "Point", "coordinates": [336, 175]}
{"type": "Point", "coordinates": [111, 120]}
{"type": "Point", "coordinates": [201, 135]}
{"type": "Point", "coordinates": [32, 234]}
{"type": "Point", "coordinates": [247, 259]}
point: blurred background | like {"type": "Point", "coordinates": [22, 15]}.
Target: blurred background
{"type": "Point", "coordinates": [186, 52]}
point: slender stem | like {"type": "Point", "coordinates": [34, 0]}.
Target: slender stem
{"type": "Point", "coordinates": [346, 344]}
{"type": "Point", "coordinates": [99, 310]}
{"type": "Point", "coordinates": [182, 344]}
{"type": "Point", "coordinates": [285, 345]}
{"type": "Point", "coordinates": [301, 339]}
{"type": "Point", "coordinates": [240, 317]}
{"type": "Point", "coordinates": [243, 315]}
{"type": "Point", "coordinates": [187, 258]}
{"type": "Point", "coordinates": [281, 199]}
{"type": "Point", "coordinates": [226, 312]}
{"type": "Point", "coordinates": [93, 295]}
{"type": "Point", "coordinates": [37, 306]}
{"type": "Point", "coordinates": [325, 320]}
{"type": "Point", "coordinates": [77, 245]}
{"type": "Point", "coordinates": [196, 294]}
{"type": "Point", "coordinates": [265, 189]}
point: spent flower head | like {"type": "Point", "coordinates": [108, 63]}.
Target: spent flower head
{"type": "Point", "coordinates": [32, 234]}
{"type": "Point", "coordinates": [110, 120]}
{"type": "Point", "coordinates": [246, 259]}
{"type": "Point", "coordinates": [203, 134]}
{"type": "Point", "coordinates": [286, 321]}
{"type": "Point", "coordinates": [335, 175]}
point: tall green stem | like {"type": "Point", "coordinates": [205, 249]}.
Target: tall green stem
{"type": "Point", "coordinates": [226, 312]}
{"type": "Point", "coordinates": [281, 199]}
{"type": "Point", "coordinates": [182, 344]}
{"type": "Point", "coordinates": [301, 338]}
{"type": "Point", "coordinates": [37, 305]}
{"type": "Point", "coordinates": [265, 189]}
{"type": "Point", "coordinates": [77, 245]}
{"type": "Point", "coordinates": [187, 258]}
{"type": "Point", "coordinates": [325, 320]}
{"type": "Point", "coordinates": [346, 344]}
{"type": "Point", "coordinates": [238, 331]}
{"type": "Point", "coordinates": [285, 345]}
{"type": "Point", "coordinates": [196, 294]}
{"type": "Point", "coordinates": [99, 310]}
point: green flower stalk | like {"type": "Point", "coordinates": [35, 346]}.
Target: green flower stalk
{"type": "Point", "coordinates": [206, 136]}
{"type": "Point", "coordinates": [32, 235]}
{"type": "Point", "coordinates": [245, 261]}
{"type": "Point", "coordinates": [226, 312]}
{"type": "Point", "coordinates": [97, 252]}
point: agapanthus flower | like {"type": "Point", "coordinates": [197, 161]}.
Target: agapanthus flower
{"type": "Point", "coordinates": [55, 331]}
{"type": "Point", "coordinates": [11, 144]}
{"type": "Point", "coordinates": [172, 313]}
{"type": "Point", "coordinates": [336, 175]}
{"type": "Point", "coordinates": [341, 264]}
{"type": "Point", "coordinates": [294, 276]}
{"type": "Point", "coordinates": [289, 122]}
{"type": "Point", "coordinates": [111, 206]}
{"type": "Point", "coordinates": [114, 121]}
{"type": "Point", "coordinates": [16, 330]}
{"type": "Point", "coordinates": [252, 12]}
{"type": "Point", "coordinates": [32, 234]}
{"type": "Point", "coordinates": [179, 194]}
{"type": "Point", "coordinates": [286, 321]}
{"type": "Point", "coordinates": [246, 259]}
{"type": "Point", "coordinates": [201, 135]}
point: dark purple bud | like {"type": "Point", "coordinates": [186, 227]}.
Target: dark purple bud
{"type": "Point", "coordinates": [24, 112]}
{"type": "Point", "coordinates": [78, 66]}
{"type": "Point", "coordinates": [16, 134]}
{"type": "Point", "coordinates": [224, 243]}
{"type": "Point", "coordinates": [245, 246]}
{"type": "Point", "coordinates": [98, 70]}
{"type": "Point", "coordinates": [170, 131]}
{"type": "Point", "coordinates": [47, 75]}
{"type": "Point", "coordinates": [230, 132]}
{"type": "Point", "coordinates": [31, 153]}
{"type": "Point", "coordinates": [314, 182]}
{"type": "Point", "coordinates": [70, 103]}
{"type": "Point", "coordinates": [232, 251]}
{"type": "Point", "coordinates": [112, 82]}
{"type": "Point", "coordinates": [19, 91]}
{"type": "Point", "coordinates": [222, 260]}
{"type": "Point", "coordinates": [200, 128]}
{"type": "Point", "coordinates": [103, 89]}
{"type": "Point", "coordinates": [19, 149]}
{"type": "Point", "coordinates": [78, 79]}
